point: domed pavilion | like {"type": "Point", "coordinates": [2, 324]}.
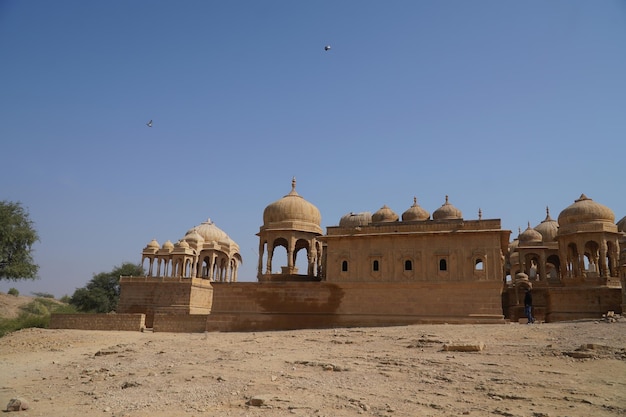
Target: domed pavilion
{"type": "Point", "coordinates": [294, 224]}
{"type": "Point", "coordinates": [206, 251]}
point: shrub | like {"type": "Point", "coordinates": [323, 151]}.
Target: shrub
{"type": "Point", "coordinates": [13, 291]}
{"type": "Point", "coordinates": [42, 294]}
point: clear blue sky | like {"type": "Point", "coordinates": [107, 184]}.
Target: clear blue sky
{"type": "Point", "coordinates": [504, 106]}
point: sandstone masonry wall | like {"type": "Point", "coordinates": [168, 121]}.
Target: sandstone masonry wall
{"type": "Point", "coordinates": [126, 322]}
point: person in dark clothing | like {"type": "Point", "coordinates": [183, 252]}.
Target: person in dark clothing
{"type": "Point", "coordinates": [528, 306]}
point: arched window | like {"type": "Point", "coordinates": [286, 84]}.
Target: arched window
{"type": "Point", "coordinates": [344, 266]}
{"type": "Point", "coordinates": [479, 266]}
{"type": "Point", "coordinates": [375, 266]}
{"type": "Point", "coordinates": [408, 265]}
{"type": "Point", "coordinates": [443, 265]}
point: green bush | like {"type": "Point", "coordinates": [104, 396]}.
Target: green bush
{"type": "Point", "coordinates": [36, 308]}
{"type": "Point", "coordinates": [13, 291]}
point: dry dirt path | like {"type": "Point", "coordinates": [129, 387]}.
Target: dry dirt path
{"type": "Point", "coordinates": [398, 371]}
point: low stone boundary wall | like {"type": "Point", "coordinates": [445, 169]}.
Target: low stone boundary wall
{"type": "Point", "coordinates": [179, 323]}
{"type": "Point", "coordinates": [251, 322]}
{"type": "Point", "coordinates": [124, 322]}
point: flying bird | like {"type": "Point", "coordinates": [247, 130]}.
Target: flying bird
{"type": "Point", "coordinates": [149, 124]}
{"type": "Point", "coordinates": [327, 48]}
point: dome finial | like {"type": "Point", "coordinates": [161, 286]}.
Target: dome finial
{"type": "Point", "coordinates": [480, 214]}
{"type": "Point", "coordinates": [293, 184]}
{"type": "Point", "coordinates": [548, 218]}
{"type": "Point", "coordinates": [414, 201]}
{"type": "Point", "coordinates": [446, 199]}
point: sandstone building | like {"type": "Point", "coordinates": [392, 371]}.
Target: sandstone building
{"type": "Point", "coordinates": [383, 269]}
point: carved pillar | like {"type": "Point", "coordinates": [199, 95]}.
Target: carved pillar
{"type": "Point", "coordinates": [602, 264]}
{"type": "Point", "coordinates": [270, 254]}
{"type": "Point", "coordinates": [259, 270]}
{"type": "Point", "coordinates": [311, 256]}
{"type": "Point", "coordinates": [542, 267]}
{"type": "Point", "coordinates": [291, 253]}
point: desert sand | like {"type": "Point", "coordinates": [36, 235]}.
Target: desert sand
{"type": "Point", "coordinates": [560, 369]}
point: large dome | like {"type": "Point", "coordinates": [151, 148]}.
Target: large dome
{"type": "Point", "coordinates": [292, 208]}
{"type": "Point", "coordinates": [586, 210]}
{"type": "Point", "coordinates": [415, 213]}
{"type": "Point", "coordinates": [208, 231]}
{"type": "Point", "coordinates": [447, 212]}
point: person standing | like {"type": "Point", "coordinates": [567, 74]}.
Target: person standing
{"type": "Point", "coordinates": [528, 306]}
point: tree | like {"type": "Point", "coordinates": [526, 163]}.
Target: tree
{"type": "Point", "coordinates": [17, 236]}
{"type": "Point", "coordinates": [102, 293]}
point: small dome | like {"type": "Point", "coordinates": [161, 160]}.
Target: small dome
{"type": "Point", "coordinates": [621, 225]}
{"type": "Point", "coordinates": [585, 210]}
{"type": "Point", "coordinates": [530, 235]}
{"type": "Point", "coordinates": [182, 244]}
{"type": "Point", "coordinates": [384, 214]}
{"type": "Point", "coordinates": [153, 244]}
{"type": "Point", "coordinates": [355, 219]}
{"type": "Point", "coordinates": [168, 245]}
{"type": "Point", "coordinates": [548, 228]}
{"type": "Point", "coordinates": [415, 213]}
{"type": "Point", "coordinates": [447, 212]}
{"type": "Point", "coordinates": [292, 208]}
{"type": "Point", "coordinates": [192, 236]}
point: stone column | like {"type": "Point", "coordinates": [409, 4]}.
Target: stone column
{"type": "Point", "coordinates": [259, 270]}
{"type": "Point", "coordinates": [542, 274]}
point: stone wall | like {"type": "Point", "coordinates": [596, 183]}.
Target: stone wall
{"type": "Point", "coordinates": [289, 305]}
{"type": "Point", "coordinates": [150, 295]}
{"type": "Point", "coordinates": [126, 322]}
{"type": "Point", "coordinates": [571, 303]}
{"type": "Point", "coordinates": [178, 323]}
{"type": "Point", "coordinates": [553, 304]}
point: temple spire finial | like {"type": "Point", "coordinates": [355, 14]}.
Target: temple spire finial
{"type": "Point", "coordinates": [547, 214]}
{"type": "Point", "coordinates": [480, 214]}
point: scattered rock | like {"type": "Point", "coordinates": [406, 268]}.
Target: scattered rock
{"type": "Point", "coordinates": [109, 351]}
{"type": "Point", "coordinates": [576, 354]}
{"type": "Point", "coordinates": [464, 347]}
{"type": "Point", "coordinates": [259, 400]}
{"type": "Point", "coordinates": [130, 384]}
{"type": "Point", "coordinates": [17, 404]}
{"type": "Point", "coordinates": [611, 317]}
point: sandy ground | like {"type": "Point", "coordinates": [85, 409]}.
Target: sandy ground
{"type": "Point", "coordinates": [523, 370]}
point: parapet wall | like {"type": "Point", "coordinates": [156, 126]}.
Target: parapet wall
{"type": "Point", "coordinates": [290, 305]}
{"type": "Point", "coordinates": [125, 322]}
